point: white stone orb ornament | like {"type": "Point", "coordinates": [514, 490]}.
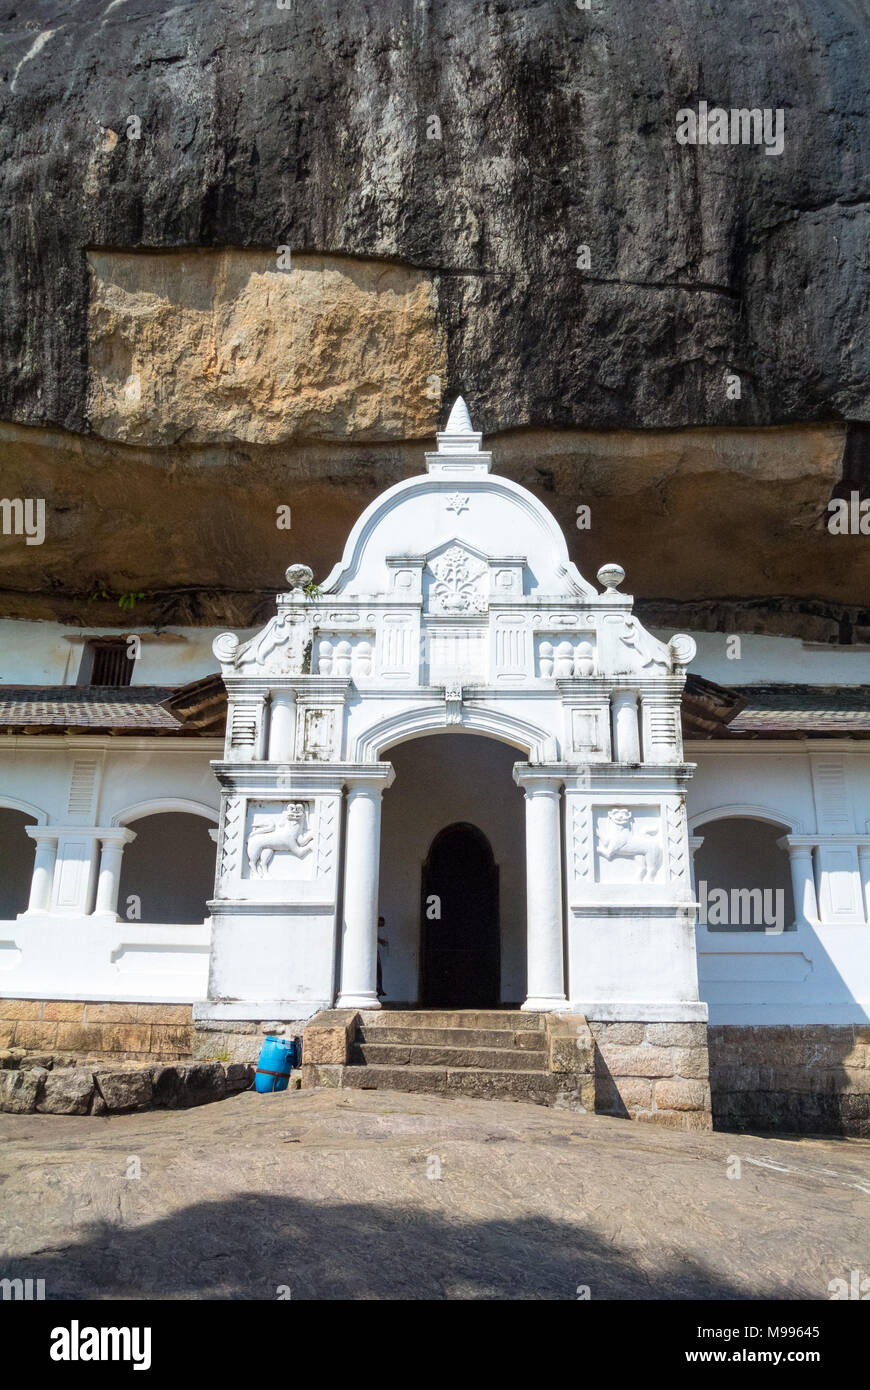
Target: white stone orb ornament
{"type": "Point", "coordinates": [611, 576]}
{"type": "Point", "coordinates": [298, 576]}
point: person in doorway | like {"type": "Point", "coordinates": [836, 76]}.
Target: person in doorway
{"type": "Point", "coordinates": [382, 941]}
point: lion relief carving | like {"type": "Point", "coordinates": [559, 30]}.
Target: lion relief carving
{"type": "Point", "coordinates": [285, 833]}
{"type": "Point", "coordinates": [620, 838]}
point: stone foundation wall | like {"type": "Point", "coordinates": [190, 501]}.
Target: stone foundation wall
{"type": "Point", "coordinates": [128, 1032]}
{"type": "Point", "coordinates": [238, 1042]}
{"type": "Point", "coordinates": [654, 1072]}
{"type": "Point", "coordinates": [809, 1078]}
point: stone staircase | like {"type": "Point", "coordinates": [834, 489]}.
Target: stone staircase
{"type": "Point", "coordinates": [498, 1054]}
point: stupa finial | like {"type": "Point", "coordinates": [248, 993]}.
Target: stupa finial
{"type": "Point", "coordinates": [459, 421]}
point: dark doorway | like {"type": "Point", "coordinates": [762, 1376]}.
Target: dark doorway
{"type": "Point", "coordinates": [460, 949]}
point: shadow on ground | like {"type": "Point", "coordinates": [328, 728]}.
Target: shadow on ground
{"type": "Point", "coordinates": [248, 1247]}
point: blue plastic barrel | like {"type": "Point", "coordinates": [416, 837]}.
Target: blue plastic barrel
{"type": "Point", "coordinates": [276, 1061]}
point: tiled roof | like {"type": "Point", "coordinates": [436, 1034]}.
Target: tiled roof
{"type": "Point", "coordinates": [802, 709]}
{"type": "Point", "coordinates": [95, 708]}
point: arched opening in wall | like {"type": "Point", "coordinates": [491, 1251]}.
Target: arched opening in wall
{"type": "Point", "coordinates": [16, 862]}
{"type": "Point", "coordinates": [453, 830]}
{"type": "Point", "coordinates": [742, 877]}
{"type": "Point", "coordinates": [167, 872]}
{"type": "Point", "coordinates": [459, 922]}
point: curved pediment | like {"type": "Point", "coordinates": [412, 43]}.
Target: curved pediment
{"type": "Point", "coordinates": [458, 501]}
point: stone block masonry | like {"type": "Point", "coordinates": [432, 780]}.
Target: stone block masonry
{"type": "Point", "coordinates": [656, 1073]}
{"type": "Point", "coordinates": [804, 1079]}
{"type": "Point", "coordinates": [127, 1032]}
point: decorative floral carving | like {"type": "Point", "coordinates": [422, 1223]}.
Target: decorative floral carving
{"type": "Point", "coordinates": [458, 578]}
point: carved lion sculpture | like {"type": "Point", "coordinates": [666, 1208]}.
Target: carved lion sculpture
{"type": "Point", "coordinates": [286, 832]}
{"type": "Point", "coordinates": [618, 838]}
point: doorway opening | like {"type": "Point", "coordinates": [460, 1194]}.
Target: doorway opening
{"type": "Point", "coordinates": [459, 929]}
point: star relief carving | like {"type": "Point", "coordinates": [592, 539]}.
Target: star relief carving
{"type": "Point", "coordinates": [457, 503]}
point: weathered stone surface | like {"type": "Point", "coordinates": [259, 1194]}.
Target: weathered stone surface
{"type": "Point", "coordinates": [125, 1090]}
{"type": "Point", "coordinates": [164, 1013]}
{"type": "Point", "coordinates": [63, 1011]}
{"type": "Point", "coordinates": [220, 345]}
{"type": "Point", "coordinates": [691, 1062]}
{"type": "Point", "coordinates": [637, 1061]}
{"type": "Point", "coordinates": [531, 1202]}
{"type": "Point", "coordinates": [67, 1091]}
{"type": "Point", "coordinates": [110, 1013]}
{"type": "Point", "coordinates": [36, 1035]}
{"type": "Point", "coordinates": [628, 1094]}
{"type": "Point", "coordinates": [166, 1087]}
{"type": "Point", "coordinates": [619, 1034]}
{"type": "Point", "coordinates": [745, 258]}
{"type": "Point", "coordinates": [328, 1037]}
{"type": "Point", "coordinates": [201, 1083]}
{"type": "Point", "coordinates": [80, 1037]}
{"type": "Point", "coordinates": [20, 1090]}
{"type": "Point", "coordinates": [239, 1076]}
{"type": "Point", "coordinates": [675, 1034]}
{"type": "Point", "coordinates": [676, 1094]}
{"type": "Point", "coordinates": [25, 1010]}
{"type": "Point", "coordinates": [418, 257]}
{"type": "Point", "coordinates": [171, 1037]}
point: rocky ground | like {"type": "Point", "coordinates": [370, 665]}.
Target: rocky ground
{"type": "Point", "coordinates": [376, 1195]}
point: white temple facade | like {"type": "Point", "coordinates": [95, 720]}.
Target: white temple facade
{"type": "Point", "coordinates": [455, 608]}
{"type": "Point", "coordinates": [550, 807]}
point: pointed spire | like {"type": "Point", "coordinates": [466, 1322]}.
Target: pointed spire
{"type": "Point", "coordinates": [459, 445]}
{"type": "Point", "coordinates": [460, 420]}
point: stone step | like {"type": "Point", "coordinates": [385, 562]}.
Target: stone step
{"type": "Point", "coordinates": [455, 1037]}
{"type": "Point", "coordinates": [463, 1081]}
{"type": "Point", "coordinates": [391, 1054]}
{"type": "Point", "coordinates": [453, 1018]}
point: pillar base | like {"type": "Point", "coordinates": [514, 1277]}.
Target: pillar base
{"type": "Point", "coordinates": [544, 1003]}
{"type": "Point", "coordinates": [358, 1001]}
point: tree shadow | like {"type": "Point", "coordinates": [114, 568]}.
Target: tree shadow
{"type": "Point", "coordinates": [248, 1247]}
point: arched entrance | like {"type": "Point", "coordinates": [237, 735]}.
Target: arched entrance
{"type": "Point", "coordinates": [459, 929]}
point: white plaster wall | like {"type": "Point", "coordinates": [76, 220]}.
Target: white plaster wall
{"type": "Point", "coordinates": [788, 659]}
{"type": "Point", "coordinates": [38, 653]}
{"type": "Point", "coordinates": [79, 956]}
{"type": "Point", "coordinates": [439, 780]}
{"type": "Point", "coordinates": [779, 783]}
{"type": "Point", "coordinates": [820, 973]}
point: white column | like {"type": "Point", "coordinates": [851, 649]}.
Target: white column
{"type": "Point", "coordinates": [626, 736]}
{"type": "Point", "coordinates": [864, 864]}
{"type": "Point", "coordinates": [362, 852]}
{"type": "Point", "coordinates": [803, 880]}
{"type": "Point", "coordinates": [109, 880]}
{"type": "Point", "coordinates": [282, 727]}
{"type": "Point", "coordinates": [544, 949]}
{"type": "Point", "coordinates": [43, 868]}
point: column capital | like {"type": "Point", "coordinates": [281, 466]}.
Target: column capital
{"type": "Point", "coordinates": [42, 832]}
{"type": "Point", "coordinates": [798, 844]}
{"type": "Point", "coordinates": [542, 779]}
{"type": "Point", "coordinates": [373, 779]}
{"type": "Point", "coordinates": [118, 835]}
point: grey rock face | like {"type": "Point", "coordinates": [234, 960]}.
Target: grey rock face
{"type": "Point", "coordinates": [308, 126]}
{"type": "Point", "coordinates": [67, 1091]}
